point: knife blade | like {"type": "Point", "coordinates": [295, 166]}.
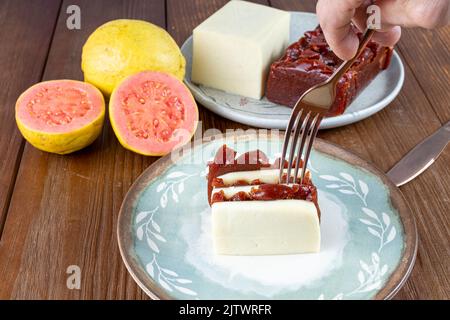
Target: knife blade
{"type": "Point", "coordinates": [420, 157]}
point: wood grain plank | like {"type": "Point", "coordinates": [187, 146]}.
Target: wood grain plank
{"type": "Point", "coordinates": [385, 137]}
{"type": "Point", "coordinates": [64, 208]}
{"type": "Point", "coordinates": [307, 5]}
{"type": "Point", "coordinates": [25, 36]}
{"type": "Point", "coordinates": [430, 58]}
{"type": "Point", "coordinates": [184, 16]}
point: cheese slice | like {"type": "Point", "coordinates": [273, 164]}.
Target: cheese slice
{"type": "Point", "coordinates": [264, 175]}
{"type": "Point", "coordinates": [265, 227]}
{"type": "Point", "coordinates": [233, 48]}
{"type": "Point", "coordinates": [231, 191]}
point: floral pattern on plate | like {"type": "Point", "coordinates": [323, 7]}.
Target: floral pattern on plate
{"type": "Point", "coordinates": [362, 237]}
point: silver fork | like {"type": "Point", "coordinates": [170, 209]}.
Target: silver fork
{"type": "Point", "coordinates": [307, 114]}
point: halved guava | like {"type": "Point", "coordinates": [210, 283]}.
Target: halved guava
{"type": "Point", "coordinates": [153, 113]}
{"type": "Point", "coordinates": [60, 116]}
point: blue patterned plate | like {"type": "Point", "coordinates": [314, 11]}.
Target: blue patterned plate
{"type": "Point", "coordinates": [369, 238]}
{"type": "Point", "coordinates": [265, 114]}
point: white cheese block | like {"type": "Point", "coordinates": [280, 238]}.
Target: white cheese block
{"type": "Point", "coordinates": [265, 227]}
{"type": "Point", "coordinates": [233, 48]}
{"type": "Point", "coordinates": [264, 175]}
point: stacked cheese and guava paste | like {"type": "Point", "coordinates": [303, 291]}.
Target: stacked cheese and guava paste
{"type": "Point", "coordinates": [234, 47]}
{"type": "Point", "coordinates": [252, 214]}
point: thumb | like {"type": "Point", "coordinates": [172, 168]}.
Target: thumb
{"type": "Point", "coordinates": [335, 18]}
{"type": "Point", "coordinates": [418, 13]}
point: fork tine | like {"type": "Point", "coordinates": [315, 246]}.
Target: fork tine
{"type": "Point", "coordinates": [320, 102]}
{"type": "Point", "coordinates": [298, 126]}
{"type": "Point", "coordinates": [312, 132]}
{"type": "Point", "coordinates": [287, 136]}
{"type": "Point", "coordinates": [304, 134]}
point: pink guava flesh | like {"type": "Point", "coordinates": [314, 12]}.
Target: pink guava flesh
{"type": "Point", "coordinates": [153, 113]}
{"type": "Point", "coordinates": [59, 106]}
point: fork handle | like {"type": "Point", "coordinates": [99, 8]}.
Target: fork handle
{"type": "Point", "coordinates": [348, 63]}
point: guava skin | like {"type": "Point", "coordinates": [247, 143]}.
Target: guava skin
{"type": "Point", "coordinates": [123, 47]}
{"type": "Point", "coordinates": [66, 138]}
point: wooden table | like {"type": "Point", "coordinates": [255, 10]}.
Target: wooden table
{"type": "Point", "coordinates": [57, 211]}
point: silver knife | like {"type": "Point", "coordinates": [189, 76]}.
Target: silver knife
{"type": "Point", "coordinates": [421, 157]}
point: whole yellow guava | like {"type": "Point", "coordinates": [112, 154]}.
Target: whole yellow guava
{"type": "Point", "coordinates": [123, 47]}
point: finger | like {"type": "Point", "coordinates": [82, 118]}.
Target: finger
{"type": "Point", "coordinates": [362, 16]}
{"type": "Point", "coordinates": [419, 13]}
{"type": "Point", "coordinates": [335, 19]}
{"type": "Point", "coordinates": [389, 37]}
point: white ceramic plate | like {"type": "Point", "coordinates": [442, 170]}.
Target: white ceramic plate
{"type": "Point", "coordinates": [265, 114]}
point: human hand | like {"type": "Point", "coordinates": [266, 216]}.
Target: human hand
{"type": "Point", "coordinates": [336, 16]}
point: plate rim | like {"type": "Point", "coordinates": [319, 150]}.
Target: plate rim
{"type": "Point", "coordinates": [397, 199]}
{"type": "Point", "coordinates": [334, 122]}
